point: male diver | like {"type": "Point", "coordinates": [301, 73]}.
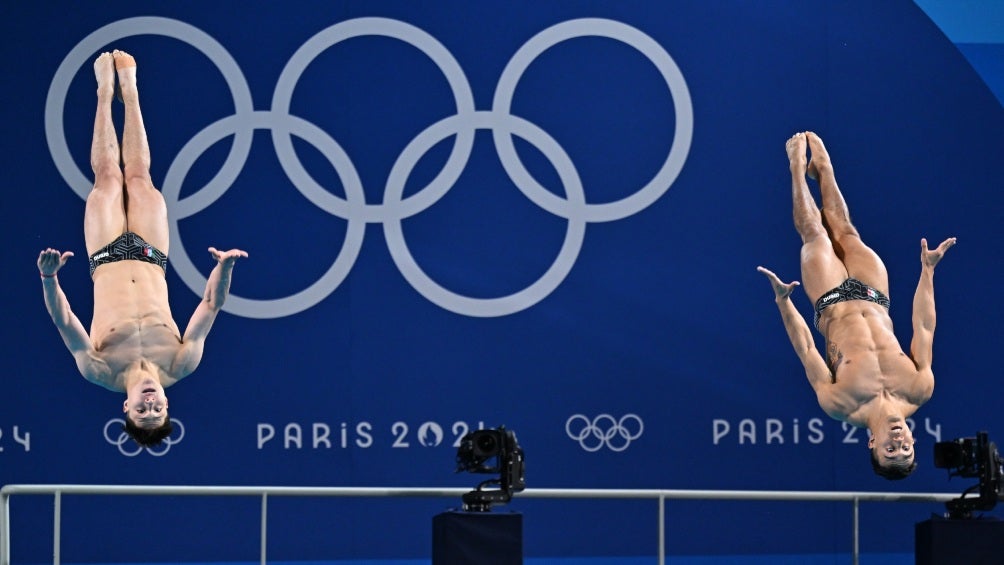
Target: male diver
{"type": "Point", "coordinates": [134, 345]}
{"type": "Point", "coordinates": [866, 379]}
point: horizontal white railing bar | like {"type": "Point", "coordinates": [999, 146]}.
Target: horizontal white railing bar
{"type": "Point", "coordinates": [556, 493]}
{"type": "Point", "coordinates": [678, 494]}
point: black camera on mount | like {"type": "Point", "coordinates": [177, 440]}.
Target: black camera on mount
{"type": "Point", "coordinates": [491, 451]}
{"type": "Point", "coordinates": [972, 458]}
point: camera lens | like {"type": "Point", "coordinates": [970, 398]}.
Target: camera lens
{"type": "Point", "coordinates": [486, 444]}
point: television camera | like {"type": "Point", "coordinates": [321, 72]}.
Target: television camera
{"type": "Point", "coordinates": [491, 451]}
{"type": "Point", "coordinates": [976, 457]}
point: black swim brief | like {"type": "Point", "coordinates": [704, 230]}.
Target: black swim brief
{"type": "Point", "coordinates": [128, 247]}
{"type": "Point", "coordinates": [851, 289]}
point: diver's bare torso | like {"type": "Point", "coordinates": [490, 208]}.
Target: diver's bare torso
{"type": "Point", "coordinates": [132, 321]}
{"type": "Point", "coordinates": [868, 364]}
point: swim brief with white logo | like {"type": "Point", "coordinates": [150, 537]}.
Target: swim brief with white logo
{"type": "Point", "coordinates": [851, 289]}
{"type": "Point", "coordinates": [128, 247]}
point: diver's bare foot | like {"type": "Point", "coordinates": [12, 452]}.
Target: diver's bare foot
{"type": "Point", "coordinates": [820, 158]}
{"type": "Point", "coordinates": [125, 67]}
{"type": "Point", "coordinates": [795, 147]}
{"type": "Point", "coordinates": [123, 59]}
{"type": "Point", "coordinates": [104, 72]}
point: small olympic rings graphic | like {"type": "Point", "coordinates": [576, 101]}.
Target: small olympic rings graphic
{"type": "Point", "coordinates": [130, 448]}
{"type": "Point", "coordinates": [395, 206]}
{"type": "Point", "coordinates": [604, 431]}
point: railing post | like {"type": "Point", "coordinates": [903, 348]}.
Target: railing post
{"type": "Point", "coordinates": [57, 516]}
{"type": "Point", "coordinates": [4, 529]}
{"type": "Point", "coordinates": [662, 529]}
{"type": "Point", "coordinates": [856, 550]}
{"type": "Point", "coordinates": [264, 524]}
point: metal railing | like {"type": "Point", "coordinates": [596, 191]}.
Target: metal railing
{"type": "Point", "coordinates": [265, 492]}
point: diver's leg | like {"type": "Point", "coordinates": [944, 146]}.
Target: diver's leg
{"type": "Point", "coordinates": [860, 260]}
{"type": "Point", "coordinates": [146, 210]}
{"type": "Point", "coordinates": [822, 270]}
{"type": "Point", "coordinates": [104, 214]}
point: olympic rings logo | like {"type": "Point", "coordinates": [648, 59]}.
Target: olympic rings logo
{"type": "Point", "coordinates": [604, 431]}
{"type": "Point", "coordinates": [130, 448]}
{"type": "Point", "coordinates": [395, 206]}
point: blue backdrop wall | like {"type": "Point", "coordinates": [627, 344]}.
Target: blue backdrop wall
{"type": "Point", "coordinates": [464, 215]}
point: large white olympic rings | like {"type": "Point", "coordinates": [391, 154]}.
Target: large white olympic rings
{"type": "Point", "coordinates": [395, 207]}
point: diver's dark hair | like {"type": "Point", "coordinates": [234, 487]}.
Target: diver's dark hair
{"type": "Point", "coordinates": [893, 471]}
{"type": "Point", "coordinates": [148, 437]}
